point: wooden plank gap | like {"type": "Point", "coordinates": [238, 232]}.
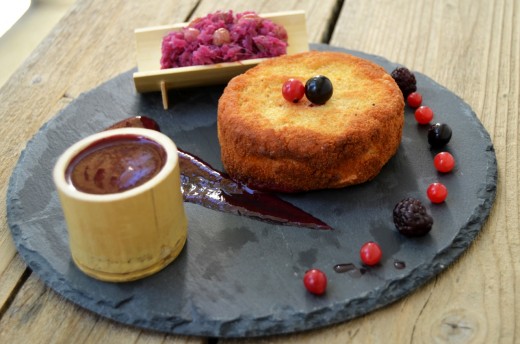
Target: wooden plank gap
{"type": "Point", "coordinates": [336, 12]}
{"type": "Point", "coordinates": [188, 17]}
{"type": "Point", "coordinates": [21, 281]}
{"type": "Point", "coordinates": [212, 340]}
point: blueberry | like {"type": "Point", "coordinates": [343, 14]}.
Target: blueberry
{"type": "Point", "coordinates": [318, 89]}
{"type": "Point", "coordinates": [439, 135]}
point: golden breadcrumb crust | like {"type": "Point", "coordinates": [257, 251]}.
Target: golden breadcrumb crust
{"type": "Point", "coordinates": [270, 143]}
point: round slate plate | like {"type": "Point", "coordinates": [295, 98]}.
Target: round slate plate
{"type": "Point", "coordinates": [241, 277]}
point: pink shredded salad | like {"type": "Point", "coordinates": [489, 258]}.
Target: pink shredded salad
{"type": "Point", "coordinates": [223, 37]}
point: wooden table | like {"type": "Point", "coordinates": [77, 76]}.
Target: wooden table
{"type": "Point", "coordinates": [470, 46]}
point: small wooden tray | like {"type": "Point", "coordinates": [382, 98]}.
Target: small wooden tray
{"type": "Point", "coordinates": [150, 77]}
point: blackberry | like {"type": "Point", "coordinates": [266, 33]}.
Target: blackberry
{"type": "Point", "coordinates": [405, 80]}
{"type": "Point", "coordinates": [411, 218]}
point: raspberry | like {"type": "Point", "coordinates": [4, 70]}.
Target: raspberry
{"type": "Point", "coordinates": [405, 80]}
{"type": "Point", "coordinates": [411, 218]}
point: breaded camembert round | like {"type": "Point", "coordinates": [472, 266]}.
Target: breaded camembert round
{"type": "Point", "coordinates": [270, 143]}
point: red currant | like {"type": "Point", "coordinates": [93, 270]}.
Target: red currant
{"type": "Point", "coordinates": [370, 253]}
{"type": "Point", "coordinates": [437, 192]}
{"type": "Point", "coordinates": [423, 115]}
{"type": "Point", "coordinates": [444, 162]}
{"type": "Point", "coordinates": [293, 90]}
{"type": "Point", "coordinates": [414, 99]}
{"type": "Point", "coordinates": [315, 281]}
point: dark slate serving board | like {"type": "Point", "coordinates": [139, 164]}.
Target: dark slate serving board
{"type": "Point", "coordinates": [241, 277]}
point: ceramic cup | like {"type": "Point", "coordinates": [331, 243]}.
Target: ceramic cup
{"type": "Point", "coordinates": [127, 234]}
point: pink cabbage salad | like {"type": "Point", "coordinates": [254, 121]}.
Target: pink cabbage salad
{"type": "Point", "coordinates": [223, 37]}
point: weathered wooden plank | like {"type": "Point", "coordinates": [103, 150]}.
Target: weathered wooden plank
{"type": "Point", "coordinates": [13, 278]}
{"type": "Point", "coordinates": [473, 48]}
{"type": "Point", "coordinates": [93, 43]}
{"type": "Point", "coordinates": [39, 315]}
{"type": "Point", "coordinates": [319, 13]}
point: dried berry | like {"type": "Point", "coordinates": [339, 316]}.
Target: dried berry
{"type": "Point", "coordinates": [411, 218]}
{"type": "Point", "coordinates": [405, 80]}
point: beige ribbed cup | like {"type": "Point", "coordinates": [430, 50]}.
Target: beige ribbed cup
{"type": "Point", "coordinates": [127, 235]}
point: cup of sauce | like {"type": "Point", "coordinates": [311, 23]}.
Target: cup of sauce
{"type": "Point", "coordinates": [121, 197]}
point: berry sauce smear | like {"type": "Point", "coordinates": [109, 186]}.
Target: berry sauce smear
{"type": "Point", "coordinates": [205, 186]}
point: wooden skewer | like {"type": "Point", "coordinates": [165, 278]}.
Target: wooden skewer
{"type": "Point", "coordinates": [164, 94]}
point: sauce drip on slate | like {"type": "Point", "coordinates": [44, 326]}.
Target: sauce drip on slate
{"type": "Point", "coordinates": [354, 271]}
{"type": "Point", "coordinates": [399, 264]}
{"type": "Point", "coordinates": [350, 268]}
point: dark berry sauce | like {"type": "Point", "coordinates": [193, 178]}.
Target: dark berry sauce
{"type": "Point", "coordinates": [115, 164]}
{"type": "Point", "coordinates": [344, 267]}
{"type": "Point", "coordinates": [350, 268]}
{"type": "Point", "coordinates": [399, 264]}
{"type": "Point", "coordinates": [354, 271]}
